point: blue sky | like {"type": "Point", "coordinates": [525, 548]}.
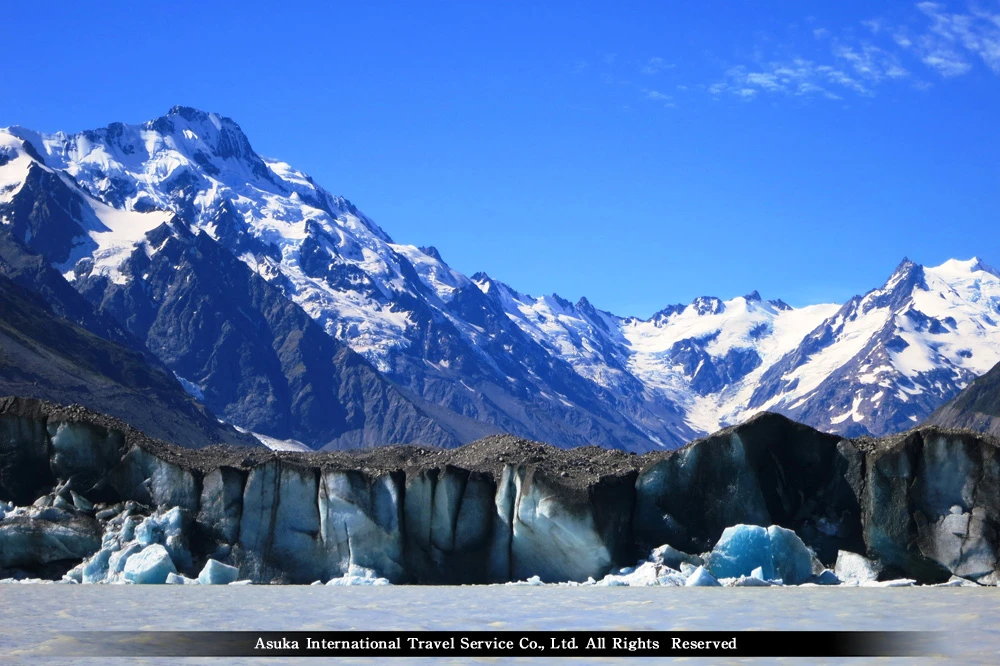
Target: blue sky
{"type": "Point", "coordinates": [638, 153]}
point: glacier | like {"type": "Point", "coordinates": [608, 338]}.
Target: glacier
{"type": "Point", "coordinates": [918, 506]}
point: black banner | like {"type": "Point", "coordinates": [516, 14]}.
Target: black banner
{"type": "Point", "coordinates": [559, 644]}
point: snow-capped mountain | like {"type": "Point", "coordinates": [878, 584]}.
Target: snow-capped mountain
{"type": "Point", "coordinates": [222, 261]}
{"type": "Point", "coordinates": [878, 364]}
{"type": "Point", "coordinates": [886, 360]}
{"type": "Point", "coordinates": [190, 180]}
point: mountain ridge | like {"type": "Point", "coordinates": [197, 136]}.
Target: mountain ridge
{"type": "Point", "coordinates": [474, 347]}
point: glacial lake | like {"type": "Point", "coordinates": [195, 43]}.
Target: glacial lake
{"type": "Point", "coordinates": [33, 617]}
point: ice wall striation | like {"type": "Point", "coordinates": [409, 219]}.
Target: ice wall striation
{"type": "Point", "coordinates": [90, 489]}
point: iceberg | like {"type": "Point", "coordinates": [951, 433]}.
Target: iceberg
{"type": "Point", "coordinates": [217, 573]}
{"type": "Point", "coordinates": [150, 565]}
{"type": "Point", "coordinates": [702, 578]}
{"type": "Point", "coordinates": [359, 576]}
{"type": "Point", "coordinates": [776, 552]}
{"type": "Point", "coordinates": [856, 568]}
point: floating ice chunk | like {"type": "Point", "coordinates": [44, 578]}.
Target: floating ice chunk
{"type": "Point", "coordinates": [956, 581]}
{"type": "Point", "coordinates": [854, 567]}
{"type": "Point", "coordinates": [360, 576]}
{"type": "Point", "coordinates": [76, 573]}
{"type": "Point", "coordinates": [534, 580]}
{"type": "Point", "coordinates": [749, 581]}
{"type": "Point", "coordinates": [217, 573]}
{"type": "Point", "coordinates": [669, 556]}
{"type": "Point", "coordinates": [242, 582]}
{"type": "Point", "coordinates": [899, 582]}
{"type": "Point", "coordinates": [613, 581]}
{"type": "Point", "coordinates": [826, 577]}
{"type": "Point", "coordinates": [776, 551]}
{"type": "Point", "coordinates": [95, 569]}
{"type": "Point", "coordinates": [644, 575]}
{"type": "Point", "coordinates": [150, 565]}
{"type": "Point", "coordinates": [148, 532]}
{"type": "Point", "coordinates": [118, 559]}
{"type": "Point", "coordinates": [178, 579]}
{"type": "Point", "coordinates": [740, 550]}
{"type": "Point", "coordinates": [793, 561]}
{"type": "Point", "coordinates": [702, 578]}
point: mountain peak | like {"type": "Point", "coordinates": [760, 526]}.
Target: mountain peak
{"type": "Point", "coordinates": [905, 266]}
{"type": "Point", "coordinates": [708, 305]}
{"type": "Point", "coordinates": [204, 135]}
{"type": "Point", "coordinates": [194, 117]}
{"type": "Point", "coordinates": [188, 113]}
{"type": "Point", "coordinates": [431, 251]}
{"type": "Point", "coordinates": [779, 304]}
{"type": "Point", "coordinates": [964, 267]}
{"type": "Point", "coordinates": [752, 297]}
{"type": "Point", "coordinates": [900, 286]}
{"type": "Point", "coordinates": [669, 311]}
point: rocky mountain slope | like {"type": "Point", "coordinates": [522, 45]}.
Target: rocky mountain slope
{"type": "Point", "coordinates": [157, 224]}
{"type": "Point", "coordinates": [976, 408]}
{"type": "Point", "coordinates": [125, 193]}
{"type": "Point", "coordinates": [45, 356]}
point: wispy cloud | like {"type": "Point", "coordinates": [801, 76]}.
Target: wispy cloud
{"type": "Point", "coordinates": [655, 66]}
{"type": "Point", "coordinates": [657, 96]}
{"type": "Point", "coordinates": [797, 77]}
{"type": "Point", "coordinates": [955, 39]}
{"type": "Point", "coordinates": [871, 63]}
{"type": "Point", "coordinates": [948, 43]}
{"type": "Point", "coordinates": [874, 26]}
{"type": "Point", "coordinates": [930, 41]}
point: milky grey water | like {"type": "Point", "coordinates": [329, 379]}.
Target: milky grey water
{"type": "Point", "coordinates": [32, 617]}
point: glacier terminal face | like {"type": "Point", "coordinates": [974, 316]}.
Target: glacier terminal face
{"type": "Point", "coordinates": [87, 496]}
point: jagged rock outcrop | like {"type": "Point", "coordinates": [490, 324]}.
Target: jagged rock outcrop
{"type": "Point", "coordinates": [45, 355]}
{"type": "Point", "coordinates": [976, 408]}
{"type": "Point", "coordinates": [925, 505]}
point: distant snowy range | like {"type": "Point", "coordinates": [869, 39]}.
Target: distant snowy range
{"type": "Point", "coordinates": [289, 313]}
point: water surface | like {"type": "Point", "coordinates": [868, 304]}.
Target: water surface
{"type": "Point", "coordinates": [33, 617]}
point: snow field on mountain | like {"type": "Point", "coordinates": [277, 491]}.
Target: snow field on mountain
{"type": "Point", "coordinates": [708, 359]}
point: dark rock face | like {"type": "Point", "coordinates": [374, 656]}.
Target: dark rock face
{"type": "Point", "coordinates": [47, 216]}
{"type": "Point", "coordinates": [976, 408]}
{"type": "Point", "coordinates": [926, 505]}
{"type": "Point", "coordinates": [710, 374]}
{"type": "Point", "coordinates": [263, 362]}
{"type": "Point", "coordinates": [46, 356]}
